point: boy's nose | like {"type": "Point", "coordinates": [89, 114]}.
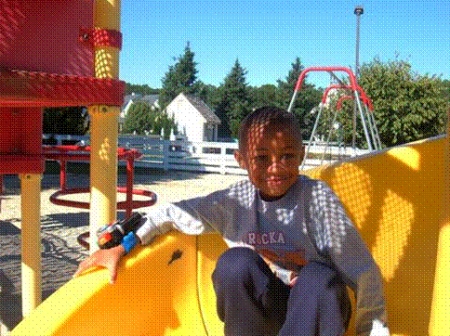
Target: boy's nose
{"type": "Point", "coordinates": [275, 165]}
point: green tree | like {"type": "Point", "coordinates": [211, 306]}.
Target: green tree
{"type": "Point", "coordinates": [181, 77]}
{"type": "Point", "coordinates": [139, 119]}
{"type": "Point", "coordinates": [407, 106]}
{"type": "Point", "coordinates": [142, 89]}
{"type": "Point", "coordinates": [66, 120]}
{"type": "Point", "coordinates": [234, 101]}
{"type": "Point", "coordinates": [286, 87]}
{"type": "Point", "coordinates": [163, 121]}
{"type": "Point", "coordinates": [208, 93]}
{"type": "Point", "coordinates": [142, 119]}
{"type": "Point", "coordinates": [265, 95]}
{"type": "Point", "coordinates": [308, 97]}
{"type": "Point", "coordinates": [445, 87]}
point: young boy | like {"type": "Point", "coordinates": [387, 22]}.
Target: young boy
{"type": "Point", "coordinates": [293, 250]}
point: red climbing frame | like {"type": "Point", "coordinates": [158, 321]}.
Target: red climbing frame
{"type": "Point", "coordinates": [64, 154]}
{"type": "Point", "coordinates": [48, 58]}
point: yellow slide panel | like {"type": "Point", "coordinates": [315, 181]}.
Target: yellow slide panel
{"type": "Point", "coordinates": [155, 294]}
{"type": "Point", "coordinates": [393, 197]}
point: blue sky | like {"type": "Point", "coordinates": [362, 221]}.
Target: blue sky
{"type": "Point", "coordinates": [267, 36]}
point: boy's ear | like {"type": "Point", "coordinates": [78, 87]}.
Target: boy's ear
{"type": "Point", "coordinates": [302, 153]}
{"type": "Point", "coordinates": [240, 159]}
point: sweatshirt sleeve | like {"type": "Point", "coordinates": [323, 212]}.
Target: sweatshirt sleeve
{"type": "Point", "coordinates": [339, 241]}
{"type": "Point", "coordinates": [194, 216]}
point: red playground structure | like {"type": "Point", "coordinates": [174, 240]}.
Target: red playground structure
{"type": "Point", "coordinates": [57, 53]}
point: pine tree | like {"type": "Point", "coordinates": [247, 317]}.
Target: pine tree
{"type": "Point", "coordinates": [181, 77]}
{"type": "Point", "coordinates": [308, 97]}
{"type": "Point", "coordinates": [234, 102]}
{"type": "Point", "coordinates": [286, 87]}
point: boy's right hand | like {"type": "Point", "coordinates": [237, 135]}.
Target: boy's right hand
{"type": "Point", "coordinates": [103, 258]}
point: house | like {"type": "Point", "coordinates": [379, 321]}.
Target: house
{"type": "Point", "coordinates": [129, 100]}
{"type": "Point", "coordinates": [194, 119]}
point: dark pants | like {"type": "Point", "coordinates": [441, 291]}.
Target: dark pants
{"type": "Point", "coordinates": [251, 300]}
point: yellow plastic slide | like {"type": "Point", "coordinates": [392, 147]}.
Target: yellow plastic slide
{"type": "Point", "coordinates": [393, 197]}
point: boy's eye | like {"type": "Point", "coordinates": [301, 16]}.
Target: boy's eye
{"type": "Point", "coordinates": [260, 158]}
{"type": "Point", "coordinates": [288, 156]}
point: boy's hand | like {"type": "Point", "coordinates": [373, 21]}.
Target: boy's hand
{"type": "Point", "coordinates": [103, 258]}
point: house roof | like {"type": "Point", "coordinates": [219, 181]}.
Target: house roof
{"type": "Point", "coordinates": [203, 109]}
{"type": "Point", "coordinates": [151, 99]}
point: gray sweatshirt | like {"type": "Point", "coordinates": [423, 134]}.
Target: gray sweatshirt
{"type": "Point", "coordinates": [309, 223]}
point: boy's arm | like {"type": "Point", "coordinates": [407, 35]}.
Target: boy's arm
{"type": "Point", "coordinates": [341, 241]}
{"type": "Point", "coordinates": [183, 216]}
{"type": "Point", "coordinates": [363, 275]}
{"type": "Point", "coordinates": [157, 221]}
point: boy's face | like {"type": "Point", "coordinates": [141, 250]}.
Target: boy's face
{"type": "Point", "coordinates": [271, 157]}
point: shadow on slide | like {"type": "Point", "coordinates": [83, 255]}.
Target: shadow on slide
{"type": "Point", "coordinates": [393, 197]}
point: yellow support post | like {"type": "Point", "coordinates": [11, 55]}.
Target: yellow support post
{"type": "Point", "coordinates": [440, 312]}
{"type": "Point", "coordinates": [104, 126]}
{"type": "Point", "coordinates": [103, 167]}
{"type": "Point", "coordinates": [31, 241]}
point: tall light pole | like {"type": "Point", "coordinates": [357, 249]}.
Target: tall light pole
{"type": "Point", "coordinates": [359, 10]}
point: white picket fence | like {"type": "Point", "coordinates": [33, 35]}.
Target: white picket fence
{"type": "Point", "coordinates": [214, 157]}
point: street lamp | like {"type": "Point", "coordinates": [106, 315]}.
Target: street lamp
{"type": "Point", "coordinates": [359, 10]}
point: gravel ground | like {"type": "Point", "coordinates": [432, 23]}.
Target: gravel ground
{"type": "Point", "coordinates": [60, 227]}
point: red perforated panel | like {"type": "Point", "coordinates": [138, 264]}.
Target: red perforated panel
{"type": "Point", "coordinates": [37, 89]}
{"type": "Point", "coordinates": [43, 36]}
{"type": "Point", "coordinates": [20, 141]}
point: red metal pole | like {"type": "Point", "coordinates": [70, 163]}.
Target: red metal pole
{"type": "Point", "coordinates": [62, 174]}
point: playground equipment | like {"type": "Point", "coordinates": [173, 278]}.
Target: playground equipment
{"type": "Point", "coordinates": [65, 153]}
{"type": "Point", "coordinates": [362, 103]}
{"type": "Point", "coordinates": [57, 53]}
{"type": "Point", "coordinates": [166, 288]}
{"type": "Point", "coordinates": [374, 141]}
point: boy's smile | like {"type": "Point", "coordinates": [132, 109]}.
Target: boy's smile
{"type": "Point", "coordinates": [272, 157]}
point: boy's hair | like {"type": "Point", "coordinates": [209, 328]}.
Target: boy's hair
{"type": "Point", "coordinates": [268, 116]}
